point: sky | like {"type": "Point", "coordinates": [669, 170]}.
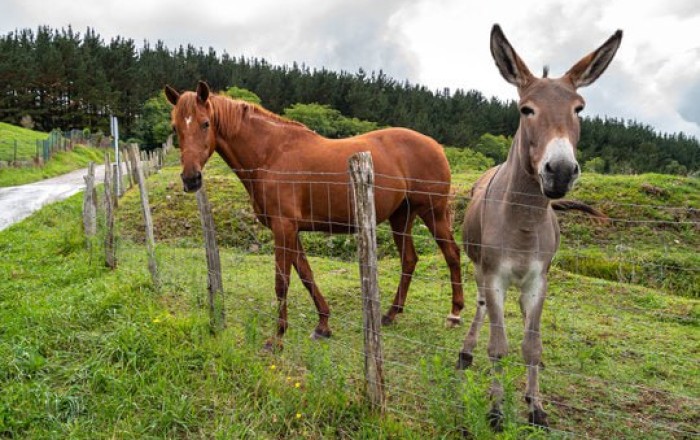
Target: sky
{"type": "Point", "coordinates": [654, 78]}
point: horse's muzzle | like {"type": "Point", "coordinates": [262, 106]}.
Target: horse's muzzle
{"type": "Point", "coordinates": [192, 183]}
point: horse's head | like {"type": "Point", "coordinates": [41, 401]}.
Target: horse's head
{"type": "Point", "coordinates": [549, 123]}
{"type": "Point", "coordinates": [192, 121]}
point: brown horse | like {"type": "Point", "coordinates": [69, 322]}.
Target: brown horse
{"type": "Point", "coordinates": [298, 181]}
{"type": "Point", "coordinates": [510, 229]}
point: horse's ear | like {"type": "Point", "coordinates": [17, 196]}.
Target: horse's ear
{"type": "Point", "coordinates": [590, 67]}
{"type": "Point", "coordinates": [202, 91]}
{"type": "Point", "coordinates": [512, 67]}
{"type": "Point", "coordinates": [172, 95]}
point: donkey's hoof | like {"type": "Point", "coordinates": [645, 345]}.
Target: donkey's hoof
{"type": "Point", "coordinates": [453, 321]}
{"type": "Point", "coordinates": [538, 418]}
{"type": "Point", "coordinates": [464, 361]}
{"type": "Point", "coordinates": [387, 320]}
{"type": "Point", "coordinates": [495, 418]}
{"type": "Point", "coordinates": [273, 345]}
{"type": "Point", "coordinates": [319, 334]}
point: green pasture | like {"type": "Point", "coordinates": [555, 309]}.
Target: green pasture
{"type": "Point", "coordinates": [90, 353]}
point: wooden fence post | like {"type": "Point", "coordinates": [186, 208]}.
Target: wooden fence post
{"type": "Point", "coordinates": [217, 315]}
{"type": "Point", "coordinates": [361, 172]}
{"type": "Point", "coordinates": [146, 209]}
{"type": "Point", "coordinates": [110, 254]}
{"type": "Point", "coordinates": [90, 204]}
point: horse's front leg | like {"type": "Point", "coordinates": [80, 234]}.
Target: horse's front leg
{"type": "Point", "coordinates": [285, 236]}
{"type": "Point", "coordinates": [531, 303]}
{"type": "Point", "coordinates": [495, 286]}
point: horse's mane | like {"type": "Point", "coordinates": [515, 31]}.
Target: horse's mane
{"type": "Point", "coordinates": [231, 112]}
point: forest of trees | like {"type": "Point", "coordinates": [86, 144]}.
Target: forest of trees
{"type": "Point", "coordinates": [66, 79]}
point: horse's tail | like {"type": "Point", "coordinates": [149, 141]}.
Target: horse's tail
{"type": "Point", "coordinates": [566, 205]}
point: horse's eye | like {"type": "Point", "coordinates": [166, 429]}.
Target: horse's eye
{"type": "Point", "coordinates": [205, 125]}
{"type": "Point", "coordinates": [527, 111]}
{"type": "Point", "coordinates": [578, 109]}
{"type": "Point", "coordinates": [173, 128]}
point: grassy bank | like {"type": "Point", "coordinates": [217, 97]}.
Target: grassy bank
{"type": "Point", "coordinates": [62, 162]}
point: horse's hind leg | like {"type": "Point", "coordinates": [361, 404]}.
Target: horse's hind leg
{"type": "Point", "coordinates": [285, 243]}
{"type": "Point", "coordinates": [301, 264]}
{"type": "Point", "coordinates": [401, 226]}
{"type": "Point", "coordinates": [438, 224]}
{"type": "Point", "coordinates": [466, 356]}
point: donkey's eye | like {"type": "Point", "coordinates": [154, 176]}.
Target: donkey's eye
{"type": "Point", "coordinates": [205, 125]}
{"type": "Point", "coordinates": [578, 109]}
{"type": "Point", "coordinates": [527, 111]}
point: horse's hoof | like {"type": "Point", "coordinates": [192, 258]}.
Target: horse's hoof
{"type": "Point", "coordinates": [387, 320]}
{"type": "Point", "coordinates": [453, 321]}
{"type": "Point", "coordinates": [317, 334]}
{"type": "Point", "coordinates": [495, 418]}
{"type": "Point", "coordinates": [538, 418]}
{"type": "Point", "coordinates": [464, 361]}
{"type": "Point", "coordinates": [273, 345]}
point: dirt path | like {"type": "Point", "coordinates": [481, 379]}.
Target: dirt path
{"type": "Point", "coordinates": [18, 202]}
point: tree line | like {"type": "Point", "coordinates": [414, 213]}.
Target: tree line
{"type": "Point", "coordinates": [65, 79]}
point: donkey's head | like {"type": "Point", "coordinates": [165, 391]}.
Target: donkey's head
{"type": "Point", "coordinates": [549, 123]}
{"type": "Point", "coordinates": [192, 122]}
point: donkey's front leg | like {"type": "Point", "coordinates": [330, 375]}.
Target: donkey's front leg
{"type": "Point", "coordinates": [531, 304]}
{"type": "Point", "coordinates": [495, 287]}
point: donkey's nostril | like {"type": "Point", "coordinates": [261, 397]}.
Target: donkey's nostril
{"type": "Point", "coordinates": [548, 168]}
{"type": "Point", "coordinates": [577, 169]}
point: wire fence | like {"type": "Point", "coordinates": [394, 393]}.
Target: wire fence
{"type": "Point", "coordinates": [620, 326]}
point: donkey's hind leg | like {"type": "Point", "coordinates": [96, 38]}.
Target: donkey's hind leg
{"type": "Point", "coordinates": [466, 356]}
{"type": "Point", "coordinates": [301, 264]}
{"type": "Point", "coordinates": [438, 222]}
{"type": "Point", "coordinates": [401, 226]}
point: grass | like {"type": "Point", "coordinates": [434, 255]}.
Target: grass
{"type": "Point", "coordinates": [90, 353]}
{"type": "Point", "coordinates": [62, 162]}
{"type": "Point", "coordinates": [26, 142]}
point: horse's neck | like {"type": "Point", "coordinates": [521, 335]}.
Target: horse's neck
{"type": "Point", "coordinates": [520, 193]}
{"type": "Point", "coordinates": [255, 142]}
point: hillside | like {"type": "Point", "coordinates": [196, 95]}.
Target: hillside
{"type": "Point", "coordinates": [25, 139]}
{"type": "Point", "coordinates": [61, 162]}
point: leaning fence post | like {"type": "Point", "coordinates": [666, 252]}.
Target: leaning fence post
{"type": "Point", "coordinates": [90, 204]}
{"type": "Point", "coordinates": [217, 316]}
{"type": "Point", "coordinates": [362, 176]}
{"type": "Point", "coordinates": [110, 254]}
{"type": "Point", "coordinates": [127, 166]}
{"type": "Point", "coordinates": [146, 209]}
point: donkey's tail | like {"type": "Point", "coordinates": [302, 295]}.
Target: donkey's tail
{"type": "Point", "coordinates": [566, 205]}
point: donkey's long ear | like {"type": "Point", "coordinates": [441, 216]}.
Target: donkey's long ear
{"type": "Point", "coordinates": [590, 67]}
{"type": "Point", "coordinates": [172, 95]}
{"type": "Point", "coordinates": [512, 68]}
{"type": "Point", "coordinates": [202, 91]}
